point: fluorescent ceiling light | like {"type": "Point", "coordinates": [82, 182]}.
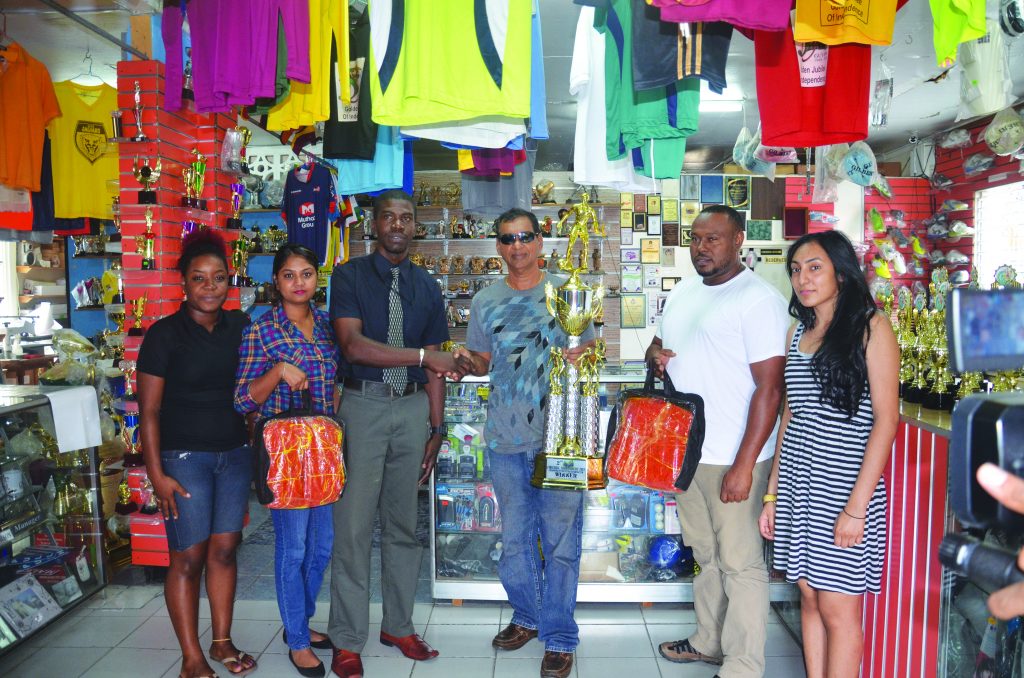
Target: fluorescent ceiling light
{"type": "Point", "coordinates": [720, 106]}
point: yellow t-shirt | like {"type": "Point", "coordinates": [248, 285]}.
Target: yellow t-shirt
{"type": "Point", "coordinates": [85, 171]}
{"type": "Point", "coordinates": [309, 103]}
{"type": "Point", "coordinates": [868, 22]}
{"type": "Point", "coordinates": [437, 62]}
{"type": "Point", "coordinates": [955, 21]}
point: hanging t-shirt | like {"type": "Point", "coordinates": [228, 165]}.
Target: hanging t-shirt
{"type": "Point", "coordinates": [27, 104]}
{"type": "Point", "coordinates": [811, 95]}
{"type": "Point", "coordinates": [489, 131]}
{"type": "Point", "coordinates": [310, 205]}
{"type": "Point", "coordinates": [442, 61]}
{"type": "Point", "coordinates": [664, 52]}
{"type": "Point", "coordinates": [310, 103]}
{"type": "Point", "coordinates": [956, 21]}
{"type": "Point", "coordinates": [43, 218]}
{"type": "Point", "coordinates": [85, 168]}
{"type": "Point", "coordinates": [591, 165]}
{"type": "Point", "coordinates": [494, 195]}
{"type": "Point", "coordinates": [983, 75]}
{"type": "Point", "coordinates": [350, 131]}
{"type": "Point", "coordinates": [765, 15]}
{"type": "Point", "coordinates": [869, 22]}
{"type": "Point", "coordinates": [538, 94]}
{"type": "Point", "coordinates": [383, 172]}
{"type": "Point", "coordinates": [658, 119]}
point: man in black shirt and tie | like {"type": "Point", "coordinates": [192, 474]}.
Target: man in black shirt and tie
{"type": "Point", "coordinates": [389, 321]}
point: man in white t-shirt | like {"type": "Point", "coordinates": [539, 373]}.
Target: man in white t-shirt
{"type": "Point", "coordinates": [723, 337]}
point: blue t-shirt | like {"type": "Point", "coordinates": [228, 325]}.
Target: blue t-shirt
{"type": "Point", "coordinates": [309, 207]}
{"type": "Point", "coordinates": [515, 328]}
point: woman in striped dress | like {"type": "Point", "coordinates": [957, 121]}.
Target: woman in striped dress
{"type": "Point", "coordinates": [825, 507]}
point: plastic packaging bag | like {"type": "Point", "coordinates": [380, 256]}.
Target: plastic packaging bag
{"type": "Point", "coordinates": [299, 461]}
{"type": "Point", "coordinates": [1005, 134]}
{"type": "Point", "coordinates": [957, 138]}
{"type": "Point", "coordinates": [657, 438]}
{"type": "Point", "coordinates": [780, 155]}
{"type": "Point", "coordinates": [826, 186]}
{"type": "Point", "coordinates": [743, 154]}
{"type": "Point", "coordinates": [881, 184]}
{"type": "Point", "coordinates": [231, 151]}
{"type": "Point", "coordinates": [985, 82]}
{"type": "Point", "coordinates": [977, 163]}
{"type": "Point", "coordinates": [881, 97]}
{"type": "Point", "coordinates": [859, 165]}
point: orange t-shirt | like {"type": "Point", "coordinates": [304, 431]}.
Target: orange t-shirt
{"type": "Point", "coordinates": [27, 104]}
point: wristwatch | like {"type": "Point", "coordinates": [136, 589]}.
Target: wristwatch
{"type": "Point", "coordinates": [441, 430]}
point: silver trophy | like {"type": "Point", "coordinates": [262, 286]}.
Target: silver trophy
{"type": "Point", "coordinates": [138, 114]}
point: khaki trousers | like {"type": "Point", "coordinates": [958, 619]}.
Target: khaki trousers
{"type": "Point", "coordinates": [730, 595]}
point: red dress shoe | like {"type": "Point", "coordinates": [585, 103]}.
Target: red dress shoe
{"type": "Point", "coordinates": [347, 664]}
{"type": "Point", "coordinates": [412, 646]}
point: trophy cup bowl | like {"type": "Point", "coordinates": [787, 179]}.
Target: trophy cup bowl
{"type": "Point", "coordinates": [147, 176]}
{"type": "Point", "coordinates": [237, 196]}
{"type": "Point", "coordinates": [138, 310]}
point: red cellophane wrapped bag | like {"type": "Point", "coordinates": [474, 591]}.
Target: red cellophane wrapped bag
{"type": "Point", "coordinates": [299, 460]}
{"type": "Point", "coordinates": [657, 437]}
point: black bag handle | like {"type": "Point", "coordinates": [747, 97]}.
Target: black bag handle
{"type": "Point", "coordinates": [666, 381]}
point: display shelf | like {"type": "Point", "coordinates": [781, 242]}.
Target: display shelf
{"type": "Point", "coordinates": [95, 255]}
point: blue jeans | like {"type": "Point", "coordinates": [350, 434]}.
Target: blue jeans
{"type": "Point", "coordinates": [218, 483]}
{"type": "Point", "coordinates": [543, 597]}
{"type": "Point", "coordinates": [302, 548]}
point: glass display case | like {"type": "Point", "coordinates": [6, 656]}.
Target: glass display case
{"type": "Point", "coordinates": [51, 537]}
{"type": "Point", "coordinates": [621, 523]}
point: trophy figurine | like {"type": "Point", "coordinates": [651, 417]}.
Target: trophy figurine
{"type": "Point", "coordinates": [194, 177]}
{"type": "Point", "coordinates": [116, 211]}
{"type": "Point", "coordinates": [237, 194]}
{"type": "Point", "coordinates": [130, 432]}
{"type": "Point", "coordinates": [138, 310]}
{"type": "Point", "coordinates": [138, 114]}
{"type": "Point", "coordinates": [147, 176]}
{"type": "Point", "coordinates": [246, 138]}
{"type": "Point", "coordinates": [187, 93]}
{"type": "Point", "coordinates": [570, 428]}
{"type": "Point", "coordinates": [545, 192]}
{"type": "Point", "coordinates": [144, 244]}
{"type": "Point", "coordinates": [128, 368]}
{"type": "Point", "coordinates": [583, 216]}
{"type": "Point", "coordinates": [239, 262]}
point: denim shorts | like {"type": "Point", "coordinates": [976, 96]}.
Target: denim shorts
{"type": "Point", "coordinates": [219, 483]}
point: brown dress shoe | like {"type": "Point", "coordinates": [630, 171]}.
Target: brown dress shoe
{"type": "Point", "coordinates": [556, 664]}
{"type": "Point", "coordinates": [347, 664]}
{"type": "Point", "coordinates": [412, 646]}
{"type": "Point", "coordinates": [513, 637]}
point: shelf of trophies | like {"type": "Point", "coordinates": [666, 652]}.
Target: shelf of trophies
{"type": "Point", "coordinates": [920, 327]}
{"type": "Point", "coordinates": [51, 531]}
{"type": "Point", "coordinates": [42, 273]}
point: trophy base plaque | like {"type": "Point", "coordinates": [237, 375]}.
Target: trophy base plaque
{"type": "Point", "coordinates": [232, 223]}
{"type": "Point", "coordinates": [596, 479]}
{"type": "Point", "coordinates": [147, 197]}
{"type": "Point", "coordinates": [237, 280]}
{"type": "Point", "coordinates": [148, 264]}
{"type": "Point", "coordinates": [140, 138]}
{"type": "Point", "coordinates": [136, 332]}
{"type": "Point", "coordinates": [560, 472]}
{"type": "Point", "coordinates": [187, 94]}
{"type": "Point", "coordinates": [133, 460]}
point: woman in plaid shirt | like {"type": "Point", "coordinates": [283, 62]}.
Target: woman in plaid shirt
{"type": "Point", "coordinates": [291, 348]}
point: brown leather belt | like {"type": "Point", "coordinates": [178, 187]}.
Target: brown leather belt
{"type": "Point", "coordinates": [379, 388]}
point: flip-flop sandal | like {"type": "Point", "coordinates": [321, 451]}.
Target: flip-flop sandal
{"type": "Point", "coordinates": [239, 661]}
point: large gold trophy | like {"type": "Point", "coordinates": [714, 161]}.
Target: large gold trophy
{"type": "Point", "coordinates": [570, 424]}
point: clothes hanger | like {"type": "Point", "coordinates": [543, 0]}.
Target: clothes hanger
{"type": "Point", "coordinates": [88, 73]}
{"type": "Point", "coordinates": [4, 39]}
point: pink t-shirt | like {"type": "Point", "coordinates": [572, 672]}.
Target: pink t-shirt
{"type": "Point", "coordinates": [767, 15]}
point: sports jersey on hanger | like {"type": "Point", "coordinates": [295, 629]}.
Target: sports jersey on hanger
{"type": "Point", "coordinates": [869, 22]}
{"type": "Point", "coordinates": [27, 104]}
{"type": "Point", "coordinates": [591, 165]}
{"type": "Point", "coordinates": [955, 21]}
{"type": "Point", "coordinates": [765, 15]}
{"type": "Point", "coordinates": [350, 131]}
{"type": "Point", "coordinates": [84, 166]}
{"type": "Point", "coordinates": [310, 205]}
{"type": "Point", "coordinates": [436, 62]}
{"type": "Point", "coordinates": [656, 120]}
{"type": "Point", "coordinates": [386, 170]}
{"type": "Point", "coordinates": [310, 103]}
{"type": "Point", "coordinates": [664, 52]}
{"type": "Point", "coordinates": [811, 95]}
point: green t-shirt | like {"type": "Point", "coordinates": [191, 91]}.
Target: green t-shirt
{"type": "Point", "coordinates": [434, 62]}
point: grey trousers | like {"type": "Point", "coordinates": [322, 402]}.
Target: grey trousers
{"type": "Point", "coordinates": [385, 442]}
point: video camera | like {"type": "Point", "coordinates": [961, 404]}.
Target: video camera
{"type": "Point", "coordinates": [985, 332]}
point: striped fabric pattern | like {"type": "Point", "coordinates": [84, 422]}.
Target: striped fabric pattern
{"type": "Point", "coordinates": [822, 454]}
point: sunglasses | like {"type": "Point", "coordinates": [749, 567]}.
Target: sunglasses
{"type": "Point", "coordinates": [524, 237]}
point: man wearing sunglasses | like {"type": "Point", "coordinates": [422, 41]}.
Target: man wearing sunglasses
{"type": "Point", "coordinates": [510, 336]}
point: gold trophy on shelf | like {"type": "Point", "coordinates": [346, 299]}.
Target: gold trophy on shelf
{"type": "Point", "coordinates": [240, 262]}
{"type": "Point", "coordinates": [147, 176]}
{"type": "Point", "coordinates": [145, 244]}
{"type": "Point", "coordinates": [237, 195]}
{"type": "Point", "coordinates": [1006, 380]}
{"type": "Point", "coordinates": [194, 178]}
{"type": "Point", "coordinates": [569, 436]}
{"type": "Point", "coordinates": [939, 395]}
{"type": "Point", "coordinates": [584, 220]}
{"type": "Point", "coordinates": [138, 311]}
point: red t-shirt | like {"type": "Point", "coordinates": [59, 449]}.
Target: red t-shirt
{"type": "Point", "coordinates": [832, 112]}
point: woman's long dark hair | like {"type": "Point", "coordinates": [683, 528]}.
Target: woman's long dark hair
{"type": "Point", "coordinates": [839, 365]}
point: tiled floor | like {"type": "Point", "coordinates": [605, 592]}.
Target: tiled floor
{"type": "Point", "coordinates": [124, 632]}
